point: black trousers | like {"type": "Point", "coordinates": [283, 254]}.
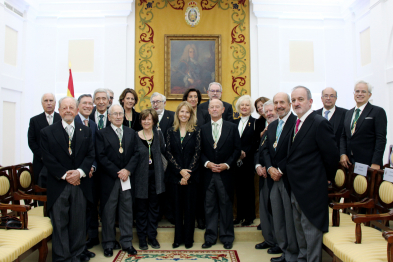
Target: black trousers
{"type": "Point", "coordinates": [200, 197]}
{"type": "Point", "coordinates": [148, 210]}
{"type": "Point", "coordinates": [184, 198]}
{"type": "Point", "coordinates": [92, 209]}
{"type": "Point", "coordinates": [245, 191]}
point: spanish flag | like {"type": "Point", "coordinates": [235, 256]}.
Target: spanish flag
{"type": "Point", "coordinates": [70, 90]}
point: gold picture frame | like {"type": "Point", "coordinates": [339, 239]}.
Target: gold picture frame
{"type": "Point", "coordinates": [191, 61]}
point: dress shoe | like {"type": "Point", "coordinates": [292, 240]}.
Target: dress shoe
{"type": "Point", "coordinates": [83, 257]}
{"type": "Point", "coordinates": [131, 250]}
{"type": "Point", "coordinates": [92, 242]}
{"type": "Point", "coordinates": [208, 244]}
{"type": "Point", "coordinates": [259, 227]}
{"type": "Point", "coordinates": [117, 246]}
{"type": "Point", "coordinates": [175, 245]}
{"type": "Point", "coordinates": [237, 221]}
{"type": "Point", "coordinates": [278, 259]}
{"type": "Point", "coordinates": [274, 250]}
{"type": "Point", "coordinates": [88, 253]}
{"type": "Point", "coordinates": [262, 245]}
{"type": "Point", "coordinates": [108, 252]}
{"type": "Point", "coordinates": [171, 220]}
{"type": "Point", "coordinates": [228, 245]}
{"type": "Point", "coordinates": [247, 222]}
{"type": "Point", "coordinates": [201, 223]}
{"type": "Point", "coordinates": [143, 245]}
{"type": "Point", "coordinates": [154, 243]}
{"type": "Point", "coordinates": [189, 245]}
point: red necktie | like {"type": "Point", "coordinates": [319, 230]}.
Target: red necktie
{"type": "Point", "coordinates": [297, 125]}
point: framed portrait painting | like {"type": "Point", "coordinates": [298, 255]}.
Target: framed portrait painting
{"type": "Point", "coordinates": [191, 61]}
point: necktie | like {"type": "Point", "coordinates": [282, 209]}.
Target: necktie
{"type": "Point", "coordinates": [86, 121]}
{"type": "Point", "coordinates": [70, 131]}
{"type": "Point", "coordinates": [215, 134]}
{"type": "Point", "coordinates": [279, 129]}
{"type": "Point", "coordinates": [297, 126]}
{"type": "Point", "coordinates": [355, 120]}
{"type": "Point", "coordinates": [119, 133]}
{"type": "Point", "coordinates": [101, 122]}
{"type": "Point", "coordinates": [326, 114]}
{"type": "Point", "coordinates": [50, 121]}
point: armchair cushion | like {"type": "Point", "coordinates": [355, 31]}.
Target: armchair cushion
{"type": "Point", "coordinates": [374, 251]}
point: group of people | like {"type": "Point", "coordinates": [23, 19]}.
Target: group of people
{"type": "Point", "coordinates": [190, 165]}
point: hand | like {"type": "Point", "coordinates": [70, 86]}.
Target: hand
{"type": "Point", "coordinates": [73, 177]}
{"type": "Point", "coordinates": [183, 182]}
{"type": "Point", "coordinates": [259, 170]}
{"type": "Point", "coordinates": [190, 80]}
{"type": "Point", "coordinates": [123, 174]}
{"type": "Point", "coordinates": [91, 172]}
{"type": "Point", "coordinates": [264, 173]}
{"type": "Point", "coordinates": [275, 174]}
{"type": "Point", "coordinates": [242, 155]}
{"type": "Point", "coordinates": [375, 166]}
{"type": "Point", "coordinates": [219, 167]}
{"type": "Point", "coordinates": [344, 160]}
{"type": "Point", "coordinates": [263, 132]}
{"type": "Point", "coordinates": [185, 173]}
{"type": "Point", "coordinates": [210, 165]}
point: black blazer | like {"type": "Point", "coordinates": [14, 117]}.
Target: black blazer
{"type": "Point", "coordinates": [368, 142]}
{"type": "Point", "coordinates": [58, 161]}
{"type": "Point", "coordinates": [277, 157]}
{"type": "Point", "coordinates": [228, 112]}
{"type": "Point", "coordinates": [135, 123]}
{"type": "Point", "coordinates": [202, 117]}
{"type": "Point", "coordinates": [227, 151]}
{"type": "Point", "coordinates": [337, 121]}
{"type": "Point", "coordinates": [92, 117]}
{"type": "Point", "coordinates": [311, 161]}
{"type": "Point", "coordinates": [258, 159]}
{"type": "Point", "coordinates": [167, 121]}
{"type": "Point", "coordinates": [184, 155]}
{"type": "Point", "coordinates": [94, 129]}
{"type": "Point", "coordinates": [37, 123]}
{"type": "Point", "coordinates": [112, 161]}
{"type": "Point", "coordinates": [248, 144]}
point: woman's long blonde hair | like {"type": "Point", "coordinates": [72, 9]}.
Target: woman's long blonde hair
{"type": "Point", "coordinates": [190, 127]}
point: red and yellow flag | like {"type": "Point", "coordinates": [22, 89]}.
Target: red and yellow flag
{"type": "Point", "coordinates": [70, 90]}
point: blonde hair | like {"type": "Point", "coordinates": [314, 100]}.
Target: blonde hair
{"type": "Point", "coordinates": [244, 98]}
{"type": "Point", "coordinates": [190, 127]}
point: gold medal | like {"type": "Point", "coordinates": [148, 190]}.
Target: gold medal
{"type": "Point", "coordinates": [121, 150]}
{"type": "Point", "coordinates": [150, 161]}
{"type": "Point", "coordinates": [215, 145]}
{"type": "Point", "coordinates": [275, 144]}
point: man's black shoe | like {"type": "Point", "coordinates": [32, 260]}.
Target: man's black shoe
{"type": "Point", "coordinates": [208, 244]}
{"type": "Point", "coordinates": [108, 252]}
{"type": "Point", "coordinates": [88, 253]}
{"type": "Point", "coordinates": [259, 227]}
{"type": "Point", "coordinates": [189, 245]}
{"type": "Point", "coordinates": [92, 242]}
{"type": "Point", "coordinates": [237, 221]}
{"type": "Point", "coordinates": [175, 245]}
{"type": "Point", "coordinates": [278, 259]}
{"type": "Point", "coordinates": [201, 223]}
{"type": "Point", "coordinates": [228, 245]}
{"type": "Point", "coordinates": [154, 243]}
{"type": "Point", "coordinates": [143, 245]}
{"type": "Point", "coordinates": [247, 222]}
{"type": "Point", "coordinates": [131, 250]}
{"type": "Point", "coordinates": [274, 250]}
{"type": "Point", "coordinates": [262, 245]}
{"type": "Point", "coordinates": [83, 257]}
{"type": "Point", "coordinates": [117, 246]}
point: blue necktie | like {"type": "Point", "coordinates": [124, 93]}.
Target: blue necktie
{"type": "Point", "coordinates": [326, 114]}
{"type": "Point", "coordinates": [279, 130]}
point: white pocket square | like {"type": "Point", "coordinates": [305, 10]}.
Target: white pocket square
{"type": "Point", "coordinates": [369, 118]}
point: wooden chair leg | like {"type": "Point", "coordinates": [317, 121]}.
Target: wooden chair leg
{"type": "Point", "coordinates": [43, 250]}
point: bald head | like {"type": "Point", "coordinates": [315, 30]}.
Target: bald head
{"type": "Point", "coordinates": [282, 104]}
{"type": "Point", "coordinates": [216, 109]}
{"type": "Point", "coordinates": [329, 98]}
{"type": "Point", "coordinates": [68, 109]}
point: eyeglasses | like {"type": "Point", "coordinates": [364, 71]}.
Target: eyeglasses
{"type": "Point", "coordinates": [111, 97]}
{"type": "Point", "coordinates": [215, 91]}
{"type": "Point", "coordinates": [156, 102]}
{"type": "Point", "coordinates": [117, 114]}
{"type": "Point", "coordinates": [327, 96]}
{"type": "Point", "coordinates": [360, 91]}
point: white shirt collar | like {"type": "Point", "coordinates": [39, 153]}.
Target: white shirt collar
{"type": "Point", "coordinates": [331, 111]}
{"type": "Point", "coordinates": [285, 118]}
{"type": "Point", "coordinates": [105, 113]}
{"type": "Point", "coordinates": [82, 117]}
{"type": "Point", "coordinates": [361, 108]}
{"type": "Point", "coordinates": [46, 114]}
{"type": "Point", "coordinates": [115, 127]}
{"type": "Point", "coordinates": [244, 118]}
{"type": "Point", "coordinates": [65, 124]}
{"type": "Point", "coordinates": [219, 122]}
{"type": "Point", "coordinates": [303, 118]}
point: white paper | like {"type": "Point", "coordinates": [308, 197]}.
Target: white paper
{"type": "Point", "coordinates": [360, 169]}
{"type": "Point", "coordinates": [125, 185]}
{"type": "Point", "coordinates": [388, 174]}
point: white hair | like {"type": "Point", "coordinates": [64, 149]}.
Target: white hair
{"type": "Point", "coordinates": [101, 90]}
{"type": "Point", "coordinates": [42, 98]}
{"type": "Point", "coordinates": [327, 88]}
{"type": "Point", "coordinates": [309, 96]}
{"type": "Point", "coordinates": [369, 86]}
{"type": "Point", "coordinates": [156, 94]}
{"type": "Point", "coordinates": [110, 91]}
{"type": "Point", "coordinates": [72, 98]}
{"type": "Point", "coordinates": [114, 105]}
{"type": "Point", "coordinates": [243, 98]}
{"type": "Point", "coordinates": [215, 83]}
{"type": "Point", "coordinates": [267, 103]}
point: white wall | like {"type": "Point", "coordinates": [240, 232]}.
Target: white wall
{"type": "Point", "coordinates": [332, 26]}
